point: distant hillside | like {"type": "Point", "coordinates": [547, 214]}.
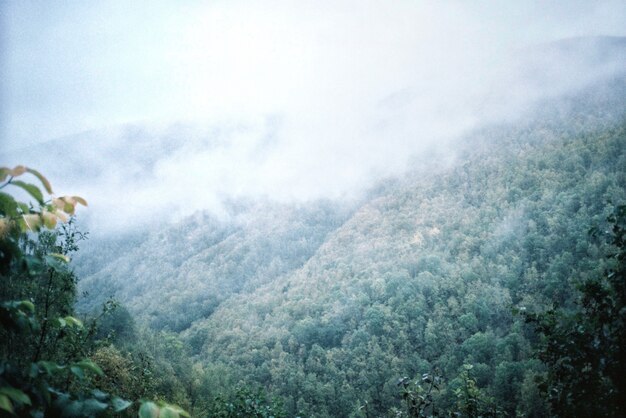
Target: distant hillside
{"type": "Point", "coordinates": [427, 274]}
{"type": "Point", "coordinates": [327, 304]}
{"type": "Point", "coordinates": [327, 308]}
{"type": "Point", "coordinates": [183, 272]}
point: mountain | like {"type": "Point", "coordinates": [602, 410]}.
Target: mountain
{"type": "Point", "coordinates": [327, 304]}
{"type": "Point", "coordinates": [183, 272]}
{"type": "Point", "coordinates": [426, 275]}
{"type": "Point", "coordinates": [327, 307]}
{"type": "Point", "coordinates": [169, 171]}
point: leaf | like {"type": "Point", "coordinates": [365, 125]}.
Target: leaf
{"type": "Point", "coordinates": [60, 257]}
{"type": "Point", "coordinates": [148, 410]}
{"type": "Point", "coordinates": [74, 322]}
{"type": "Point", "coordinates": [167, 412]}
{"type": "Point", "coordinates": [31, 189]}
{"type": "Point", "coordinates": [59, 214]}
{"type": "Point", "coordinates": [27, 305]}
{"type": "Point", "coordinates": [12, 317]}
{"type": "Point", "coordinates": [175, 409]}
{"type": "Point", "coordinates": [50, 367]}
{"type": "Point", "coordinates": [5, 226]}
{"type": "Point", "coordinates": [99, 395]}
{"type": "Point", "coordinates": [30, 222]}
{"type": "Point", "coordinates": [89, 365]}
{"type": "Point", "coordinates": [91, 407]}
{"type": "Point", "coordinates": [78, 371]}
{"type": "Point", "coordinates": [5, 403]}
{"type": "Point", "coordinates": [15, 394]}
{"type": "Point", "coordinates": [18, 170]}
{"type": "Point", "coordinates": [80, 200]}
{"type": "Point", "coordinates": [55, 262]}
{"type": "Point", "coordinates": [42, 179]}
{"type": "Point", "coordinates": [49, 219]}
{"type": "Point", "coordinates": [23, 207]}
{"type": "Point", "coordinates": [8, 205]}
{"type": "Point", "coordinates": [69, 208]}
{"type": "Point", "coordinates": [184, 413]}
{"type": "Point", "coordinates": [58, 203]}
{"type": "Point", "coordinates": [120, 404]}
{"type": "Point", "coordinates": [4, 173]}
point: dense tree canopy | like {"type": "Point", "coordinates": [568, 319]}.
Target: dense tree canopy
{"type": "Point", "coordinates": [434, 274]}
{"type": "Point", "coordinates": [489, 285]}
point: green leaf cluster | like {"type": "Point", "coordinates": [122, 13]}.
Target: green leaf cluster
{"type": "Point", "coordinates": [45, 369]}
{"type": "Point", "coordinates": [584, 348]}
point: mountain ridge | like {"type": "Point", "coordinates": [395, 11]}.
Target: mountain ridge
{"type": "Point", "coordinates": [326, 304]}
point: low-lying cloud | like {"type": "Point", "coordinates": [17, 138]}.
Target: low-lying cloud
{"type": "Point", "coordinates": [291, 100]}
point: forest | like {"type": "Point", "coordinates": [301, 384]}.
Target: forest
{"type": "Point", "coordinates": [489, 286]}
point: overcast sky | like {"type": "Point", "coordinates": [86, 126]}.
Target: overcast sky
{"type": "Point", "coordinates": [346, 87]}
{"type": "Point", "coordinates": [69, 66]}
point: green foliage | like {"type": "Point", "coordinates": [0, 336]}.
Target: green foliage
{"type": "Point", "coordinates": [585, 347]}
{"type": "Point", "coordinates": [471, 401]}
{"type": "Point", "coordinates": [418, 395]}
{"type": "Point", "coordinates": [246, 404]}
{"type": "Point", "coordinates": [162, 410]}
{"type": "Point", "coordinates": [36, 312]}
{"type": "Point", "coordinates": [29, 384]}
{"type": "Point", "coordinates": [425, 397]}
{"type": "Point", "coordinates": [47, 387]}
{"type": "Point", "coordinates": [326, 312]}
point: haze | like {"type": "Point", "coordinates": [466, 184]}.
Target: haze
{"type": "Point", "coordinates": [313, 99]}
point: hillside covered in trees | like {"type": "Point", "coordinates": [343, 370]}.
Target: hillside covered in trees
{"type": "Point", "coordinates": [446, 272]}
{"type": "Point", "coordinates": [478, 270]}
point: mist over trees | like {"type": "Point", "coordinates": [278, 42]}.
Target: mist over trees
{"type": "Point", "coordinates": [447, 258]}
{"type": "Point", "coordinates": [470, 274]}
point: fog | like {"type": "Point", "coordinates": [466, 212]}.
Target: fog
{"type": "Point", "coordinates": [167, 108]}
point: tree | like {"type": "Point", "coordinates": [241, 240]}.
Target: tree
{"type": "Point", "coordinates": [585, 349]}
{"type": "Point", "coordinates": [418, 395]}
{"type": "Point", "coordinates": [44, 368]}
{"type": "Point", "coordinates": [246, 404]}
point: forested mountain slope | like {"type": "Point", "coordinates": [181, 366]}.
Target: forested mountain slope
{"type": "Point", "coordinates": [183, 272]}
{"type": "Point", "coordinates": [424, 275]}
{"type": "Point", "coordinates": [427, 275]}
{"type": "Point", "coordinates": [327, 304]}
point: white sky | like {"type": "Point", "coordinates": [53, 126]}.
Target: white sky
{"type": "Point", "coordinates": [75, 65]}
{"type": "Point", "coordinates": [356, 86]}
